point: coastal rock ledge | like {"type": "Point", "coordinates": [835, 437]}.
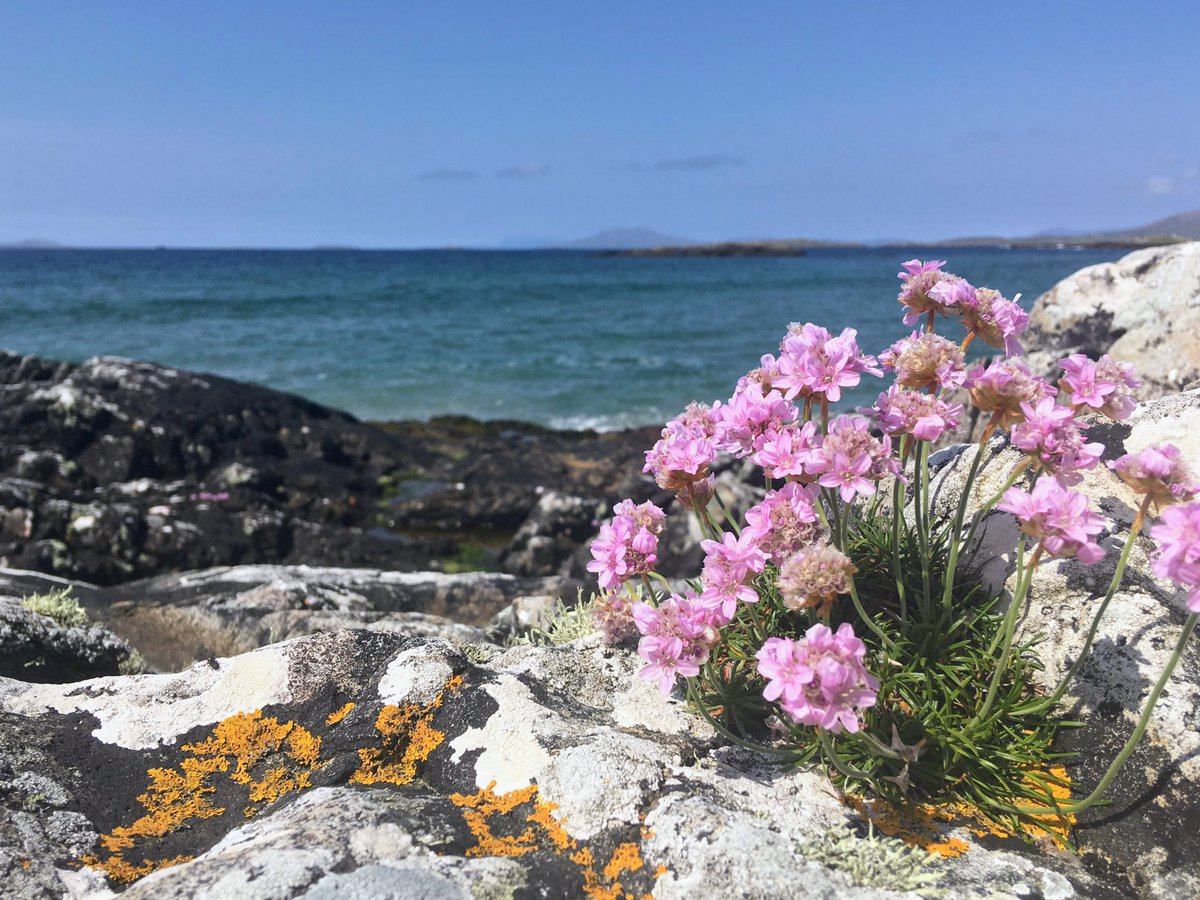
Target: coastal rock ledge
{"type": "Point", "coordinates": [376, 765]}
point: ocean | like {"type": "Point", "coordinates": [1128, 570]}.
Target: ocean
{"type": "Point", "coordinates": [563, 339]}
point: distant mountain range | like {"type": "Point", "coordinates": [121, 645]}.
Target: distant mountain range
{"type": "Point", "coordinates": [643, 241]}
{"type": "Point", "coordinates": [1183, 226]}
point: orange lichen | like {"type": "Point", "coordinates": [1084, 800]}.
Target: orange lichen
{"type": "Point", "coordinates": [485, 811]}
{"type": "Point", "coordinates": [335, 717]}
{"type": "Point", "coordinates": [249, 739]}
{"type": "Point", "coordinates": [178, 796]}
{"type": "Point", "coordinates": [918, 826]}
{"type": "Point", "coordinates": [408, 739]}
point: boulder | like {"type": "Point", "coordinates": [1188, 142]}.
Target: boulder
{"type": "Point", "coordinates": [1144, 309]}
{"type": "Point", "coordinates": [369, 764]}
{"type": "Point", "coordinates": [1148, 834]}
{"type": "Point", "coordinates": [36, 647]}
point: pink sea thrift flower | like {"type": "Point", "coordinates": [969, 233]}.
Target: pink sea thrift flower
{"type": "Point", "coordinates": [677, 637]}
{"type": "Point", "coordinates": [919, 279]}
{"type": "Point", "coordinates": [784, 521]}
{"type": "Point", "coordinates": [1052, 435]}
{"type": "Point", "coordinates": [821, 679]}
{"type": "Point", "coordinates": [1106, 386]}
{"type": "Point", "coordinates": [680, 459]}
{"type": "Point", "coordinates": [1178, 537]}
{"type": "Point", "coordinates": [1000, 389]}
{"type": "Point", "coordinates": [815, 576]}
{"type": "Point", "coordinates": [925, 360]}
{"type": "Point", "coordinates": [813, 363]}
{"type": "Point", "coordinates": [986, 314]}
{"type": "Point", "coordinates": [1159, 472]}
{"type": "Point", "coordinates": [925, 416]}
{"type": "Point", "coordinates": [612, 616]}
{"type": "Point", "coordinates": [1058, 518]}
{"type": "Point", "coordinates": [751, 412]}
{"type": "Point", "coordinates": [851, 459]}
{"type": "Point", "coordinates": [627, 546]}
{"type": "Point", "coordinates": [729, 565]}
{"type": "Point", "coordinates": [787, 451]}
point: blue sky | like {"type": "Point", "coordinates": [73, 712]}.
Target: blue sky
{"type": "Point", "coordinates": [427, 124]}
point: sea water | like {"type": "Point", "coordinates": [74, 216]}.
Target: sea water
{"type": "Point", "coordinates": [565, 339]}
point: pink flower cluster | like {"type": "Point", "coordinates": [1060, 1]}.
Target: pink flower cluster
{"type": "Point", "coordinates": [729, 565]}
{"type": "Point", "coordinates": [925, 416]}
{"type": "Point", "coordinates": [926, 360]}
{"type": "Point", "coordinates": [784, 521]}
{"type": "Point", "coordinates": [1159, 472]}
{"type": "Point", "coordinates": [1058, 518]}
{"type": "Point", "coordinates": [916, 293]}
{"type": "Point", "coordinates": [985, 314]}
{"type": "Point", "coordinates": [678, 636]}
{"type": "Point", "coordinates": [851, 459]}
{"type": "Point", "coordinates": [612, 616]}
{"type": "Point", "coordinates": [1000, 390]}
{"type": "Point", "coordinates": [627, 546]}
{"type": "Point", "coordinates": [788, 452]}
{"type": "Point", "coordinates": [819, 680]}
{"type": "Point", "coordinates": [1178, 537]}
{"type": "Point", "coordinates": [1052, 435]}
{"type": "Point", "coordinates": [1105, 386]}
{"type": "Point", "coordinates": [814, 363]}
{"type": "Point", "coordinates": [680, 459]}
{"type": "Point", "coordinates": [815, 576]}
{"type": "Point", "coordinates": [752, 413]}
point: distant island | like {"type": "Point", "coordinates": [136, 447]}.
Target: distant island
{"type": "Point", "coordinates": [793, 247]}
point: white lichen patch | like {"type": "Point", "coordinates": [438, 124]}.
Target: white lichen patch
{"type": "Point", "coordinates": [139, 712]}
{"type": "Point", "coordinates": [416, 676]}
{"type": "Point", "coordinates": [512, 756]}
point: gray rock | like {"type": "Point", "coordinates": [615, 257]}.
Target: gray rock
{"type": "Point", "coordinates": [1144, 309]}
{"type": "Point", "coordinates": [34, 647]}
{"type": "Point", "coordinates": [542, 772]}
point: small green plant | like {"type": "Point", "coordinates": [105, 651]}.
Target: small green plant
{"type": "Point", "coordinates": [562, 624]}
{"type": "Point", "coordinates": [876, 861]}
{"type": "Point", "coordinates": [471, 557]}
{"type": "Point", "coordinates": [133, 664]}
{"type": "Point", "coordinates": [58, 605]}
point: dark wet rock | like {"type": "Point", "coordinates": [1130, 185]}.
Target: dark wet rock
{"type": "Point", "coordinates": [113, 470]}
{"type": "Point", "coordinates": [368, 764]}
{"type": "Point", "coordinates": [34, 647]}
{"type": "Point", "coordinates": [552, 532]}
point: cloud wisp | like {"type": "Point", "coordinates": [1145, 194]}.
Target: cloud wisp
{"type": "Point", "coordinates": [447, 175]}
{"type": "Point", "coordinates": [698, 163]}
{"type": "Point", "coordinates": [526, 170]}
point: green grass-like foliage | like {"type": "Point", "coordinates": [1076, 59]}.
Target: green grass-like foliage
{"type": "Point", "coordinates": [562, 623]}
{"type": "Point", "coordinates": [58, 605]}
{"type": "Point", "coordinates": [933, 680]}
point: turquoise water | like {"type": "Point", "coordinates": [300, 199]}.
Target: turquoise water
{"type": "Point", "coordinates": [563, 339]}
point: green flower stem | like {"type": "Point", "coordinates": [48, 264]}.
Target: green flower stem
{"type": "Point", "coordinates": [921, 509]}
{"type": "Point", "coordinates": [737, 529]}
{"type": "Point", "coordinates": [693, 697]}
{"type": "Point", "coordinates": [1041, 706]}
{"type": "Point", "coordinates": [1019, 470]}
{"type": "Point", "coordinates": [1126, 751]}
{"type": "Point", "coordinates": [956, 531]}
{"type": "Point", "coordinates": [1010, 627]}
{"type": "Point", "coordinates": [897, 515]}
{"type": "Point", "coordinates": [650, 588]}
{"type": "Point", "coordinates": [838, 763]}
{"type": "Point", "coordinates": [867, 620]}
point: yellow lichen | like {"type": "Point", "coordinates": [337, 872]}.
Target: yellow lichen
{"type": "Point", "coordinates": [918, 826]}
{"type": "Point", "coordinates": [485, 811]}
{"type": "Point", "coordinates": [335, 717]}
{"type": "Point", "coordinates": [408, 739]}
{"type": "Point", "coordinates": [178, 796]}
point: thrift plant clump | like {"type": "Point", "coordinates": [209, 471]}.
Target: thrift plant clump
{"type": "Point", "coordinates": [842, 617]}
